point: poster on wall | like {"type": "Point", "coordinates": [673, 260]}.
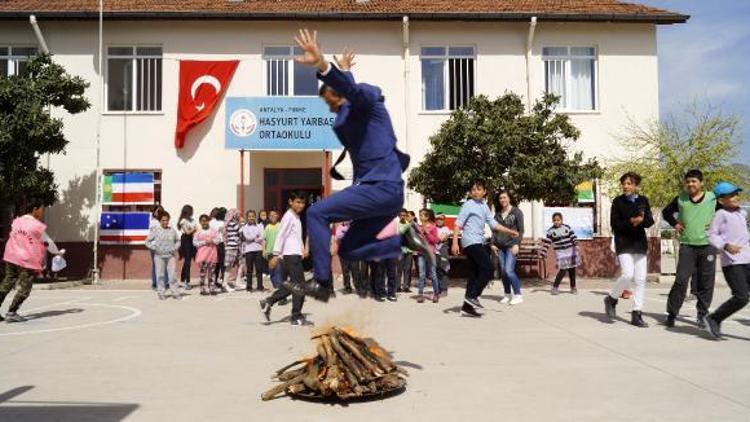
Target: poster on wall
{"type": "Point", "coordinates": [581, 220]}
{"type": "Point", "coordinates": [279, 123]}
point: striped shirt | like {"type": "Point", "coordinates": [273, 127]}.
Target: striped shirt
{"type": "Point", "coordinates": [560, 238]}
{"type": "Point", "coordinates": [232, 235]}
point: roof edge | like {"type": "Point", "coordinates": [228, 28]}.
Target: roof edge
{"type": "Point", "coordinates": [655, 18]}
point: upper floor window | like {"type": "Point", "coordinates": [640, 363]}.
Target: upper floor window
{"type": "Point", "coordinates": [285, 77]}
{"type": "Point", "coordinates": [448, 77]}
{"type": "Point", "coordinates": [13, 60]}
{"type": "Point", "coordinates": [134, 78]}
{"type": "Point", "coordinates": [570, 73]}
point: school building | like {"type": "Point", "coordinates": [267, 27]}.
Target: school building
{"type": "Point", "coordinates": [429, 58]}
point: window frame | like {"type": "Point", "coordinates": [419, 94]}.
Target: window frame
{"type": "Point", "coordinates": [289, 75]}
{"type": "Point", "coordinates": [446, 73]}
{"type": "Point", "coordinates": [134, 56]}
{"type": "Point", "coordinates": [13, 59]}
{"type": "Point", "coordinates": [563, 108]}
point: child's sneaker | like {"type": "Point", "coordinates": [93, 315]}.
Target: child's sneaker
{"type": "Point", "coordinates": [161, 296]}
{"type": "Point", "coordinates": [555, 291]}
{"type": "Point", "coordinates": [517, 300]}
{"type": "Point", "coordinates": [574, 291]}
{"type": "Point", "coordinates": [505, 300]}
{"type": "Point", "coordinates": [265, 309]}
{"type": "Point", "coordinates": [301, 322]}
{"type": "Point", "coordinates": [14, 317]}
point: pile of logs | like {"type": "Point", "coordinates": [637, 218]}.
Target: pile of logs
{"type": "Point", "coordinates": [345, 367]}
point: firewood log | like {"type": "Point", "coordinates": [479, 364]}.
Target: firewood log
{"type": "Point", "coordinates": [275, 391]}
{"type": "Point", "coordinates": [373, 368]}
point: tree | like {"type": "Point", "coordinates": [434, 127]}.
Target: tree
{"type": "Point", "coordinates": [497, 141]}
{"type": "Point", "coordinates": [662, 151]}
{"type": "Point", "coordinates": [27, 131]}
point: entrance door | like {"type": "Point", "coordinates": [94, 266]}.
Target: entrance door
{"type": "Point", "coordinates": [278, 183]}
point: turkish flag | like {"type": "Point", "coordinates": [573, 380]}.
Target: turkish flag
{"type": "Point", "coordinates": [202, 83]}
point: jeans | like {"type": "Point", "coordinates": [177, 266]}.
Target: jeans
{"type": "Point", "coordinates": [480, 270]}
{"type": "Point", "coordinates": [165, 268]}
{"type": "Point", "coordinates": [425, 267]}
{"type": "Point", "coordinates": [153, 271]}
{"type": "Point", "coordinates": [254, 260]}
{"type": "Point", "coordinates": [404, 270]}
{"type": "Point", "coordinates": [293, 267]}
{"type": "Point", "coordinates": [634, 268]}
{"type": "Point", "coordinates": [507, 264]}
{"type": "Point", "coordinates": [738, 279]}
{"type": "Point", "coordinates": [693, 258]}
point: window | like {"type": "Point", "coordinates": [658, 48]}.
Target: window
{"type": "Point", "coordinates": [134, 79]}
{"type": "Point", "coordinates": [570, 72]}
{"type": "Point", "coordinates": [13, 60]}
{"type": "Point", "coordinates": [448, 77]}
{"type": "Point", "coordinates": [284, 77]}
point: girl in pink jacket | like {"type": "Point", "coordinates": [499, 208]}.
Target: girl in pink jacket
{"type": "Point", "coordinates": [430, 232]}
{"type": "Point", "coordinates": [205, 240]}
{"type": "Point", "coordinates": [25, 254]}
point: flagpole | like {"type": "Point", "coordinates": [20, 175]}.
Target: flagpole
{"type": "Point", "coordinates": [98, 206]}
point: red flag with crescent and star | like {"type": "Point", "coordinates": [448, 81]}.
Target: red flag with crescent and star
{"type": "Point", "coordinates": [202, 84]}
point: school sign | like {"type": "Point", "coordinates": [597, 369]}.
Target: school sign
{"type": "Point", "coordinates": [279, 123]}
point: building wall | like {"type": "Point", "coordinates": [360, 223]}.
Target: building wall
{"type": "Point", "coordinates": [205, 174]}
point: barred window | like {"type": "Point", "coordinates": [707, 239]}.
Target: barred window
{"type": "Point", "coordinates": [284, 77]}
{"type": "Point", "coordinates": [570, 73]}
{"type": "Point", "coordinates": [134, 79]}
{"type": "Point", "coordinates": [14, 60]}
{"type": "Point", "coordinates": [448, 77]}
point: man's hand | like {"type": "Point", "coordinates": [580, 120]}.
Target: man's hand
{"type": "Point", "coordinates": [455, 250]}
{"type": "Point", "coordinates": [311, 50]}
{"type": "Point", "coordinates": [273, 262]}
{"type": "Point", "coordinates": [637, 220]}
{"type": "Point", "coordinates": [514, 250]}
{"type": "Point", "coordinates": [679, 228]}
{"type": "Point", "coordinates": [346, 62]}
{"type": "Point", "coordinates": [513, 234]}
{"type": "Point", "coordinates": [495, 249]}
{"type": "Point", "coordinates": [732, 249]}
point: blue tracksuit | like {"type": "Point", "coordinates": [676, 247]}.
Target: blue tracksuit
{"type": "Point", "coordinates": [364, 128]}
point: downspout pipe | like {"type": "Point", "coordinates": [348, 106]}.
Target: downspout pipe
{"type": "Point", "coordinates": [537, 207]}
{"type": "Point", "coordinates": [38, 33]}
{"type": "Point", "coordinates": [407, 73]}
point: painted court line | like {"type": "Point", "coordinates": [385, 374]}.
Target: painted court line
{"type": "Point", "coordinates": [122, 298]}
{"type": "Point", "coordinates": [134, 313]}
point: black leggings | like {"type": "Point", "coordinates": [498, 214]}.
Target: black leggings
{"type": "Point", "coordinates": [571, 272]}
{"type": "Point", "coordinates": [220, 267]}
{"type": "Point", "coordinates": [187, 251]}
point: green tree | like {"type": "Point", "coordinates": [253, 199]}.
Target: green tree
{"type": "Point", "coordinates": [27, 131]}
{"type": "Point", "coordinates": [498, 141]}
{"type": "Point", "coordinates": [662, 151]}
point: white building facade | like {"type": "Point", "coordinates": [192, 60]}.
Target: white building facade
{"type": "Point", "coordinates": [605, 69]}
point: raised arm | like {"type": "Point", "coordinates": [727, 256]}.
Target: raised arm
{"type": "Point", "coordinates": [359, 95]}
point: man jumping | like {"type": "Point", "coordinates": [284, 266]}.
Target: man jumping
{"type": "Point", "coordinates": [375, 198]}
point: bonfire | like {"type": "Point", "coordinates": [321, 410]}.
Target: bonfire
{"type": "Point", "coordinates": [345, 367]}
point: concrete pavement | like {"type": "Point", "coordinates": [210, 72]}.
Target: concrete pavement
{"type": "Point", "coordinates": [120, 354]}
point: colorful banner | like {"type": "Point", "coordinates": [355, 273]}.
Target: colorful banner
{"type": "Point", "coordinates": [585, 193]}
{"type": "Point", "coordinates": [450, 210]}
{"type": "Point", "coordinates": [279, 123]}
{"type": "Point", "coordinates": [128, 189]}
{"type": "Point", "coordinates": [124, 228]}
{"type": "Point", "coordinates": [581, 220]}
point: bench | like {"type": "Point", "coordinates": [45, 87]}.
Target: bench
{"type": "Point", "coordinates": [533, 253]}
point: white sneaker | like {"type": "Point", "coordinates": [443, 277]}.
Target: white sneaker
{"type": "Point", "coordinates": [517, 300]}
{"type": "Point", "coordinates": [228, 288]}
{"type": "Point", "coordinates": [505, 299]}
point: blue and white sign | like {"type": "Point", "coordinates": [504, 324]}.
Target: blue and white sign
{"type": "Point", "coordinates": [279, 123]}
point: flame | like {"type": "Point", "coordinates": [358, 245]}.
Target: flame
{"type": "Point", "coordinates": [377, 351]}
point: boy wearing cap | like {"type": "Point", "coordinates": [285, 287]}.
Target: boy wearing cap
{"type": "Point", "coordinates": [728, 233]}
{"type": "Point", "coordinates": [695, 209]}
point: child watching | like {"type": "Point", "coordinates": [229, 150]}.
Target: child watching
{"type": "Point", "coordinates": [563, 240]}
{"type": "Point", "coordinates": [165, 242]}
{"type": "Point", "coordinates": [205, 241]}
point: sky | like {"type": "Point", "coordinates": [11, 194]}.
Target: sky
{"type": "Point", "coordinates": [706, 60]}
